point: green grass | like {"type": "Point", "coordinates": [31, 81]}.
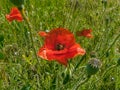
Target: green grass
{"type": "Point", "coordinates": [19, 68]}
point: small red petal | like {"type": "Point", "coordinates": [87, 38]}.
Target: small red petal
{"type": "Point", "coordinates": [8, 18]}
{"type": "Point", "coordinates": [89, 36]}
{"type": "Point", "coordinates": [14, 15]}
{"type": "Point", "coordinates": [85, 33]}
{"type": "Point", "coordinates": [42, 33]}
{"type": "Point", "coordinates": [81, 51]}
{"type": "Point", "coordinates": [63, 61]}
{"type": "Point", "coordinates": [42, 53]}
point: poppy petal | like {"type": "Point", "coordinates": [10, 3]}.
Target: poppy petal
{"type": "Point", "coordinates": [63, 61]}
{"type": "Point", "coordinates": [59, 35]}
{"type": "Point", "coordinates": [85, 33]}
{"type": "Point", "coordinates": [14, 15]}
{"type": "Point", "coordinates": [42, 33]}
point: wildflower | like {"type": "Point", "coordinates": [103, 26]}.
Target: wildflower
{"type": "Point", "coordinates": [85, 33]}
{"type": "Point", "coordinates": [60, 45]}
{"type": "Point", "coordinates": [93, 66]}
{"type": "Point", "coordinates": [42, 33]}
{"type": "Point", "coordinates": [14, 15]}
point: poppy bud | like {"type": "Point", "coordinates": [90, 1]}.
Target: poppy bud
{"type": "Point", "coordinates": [12, 49]}
{"type": "Point", "coordinates": [93, 54]}
{"type": "Point", "coordinates": [93, 66]}
{"type": "Point", "coordinates": [118, 61]}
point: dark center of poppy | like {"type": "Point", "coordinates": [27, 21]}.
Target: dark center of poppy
{"type": "Point", "coordinates": [59, 47]}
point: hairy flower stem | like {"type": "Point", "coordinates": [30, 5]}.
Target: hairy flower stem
{"type": "Point", "coordinates": [111, 45]}
{"type": "Point", "coordinates": [30, 30]}
{"type": "Point", "coordinates": [112, 67]}
{"type": "Point", "coordinates": [81, 83]}
{"type": "Point", "coordinates": [78, 64]}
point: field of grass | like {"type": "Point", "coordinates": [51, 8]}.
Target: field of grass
{"type": "Point", "coordinates": [22, 69]}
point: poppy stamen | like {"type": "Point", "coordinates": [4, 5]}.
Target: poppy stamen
{"type": "Point", "coordinates": [59, 47]}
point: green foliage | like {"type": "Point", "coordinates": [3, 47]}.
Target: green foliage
{"type": "Point", "coordinates": [19, 68]}
{"type": "Point", "coordinates": [118, 61]}
{"type": "Point", "coordinates": [18, 3]}
{"type": "Point", "coordinates": [1, 55]}
{"type": "Point", "coordinates": [1, 38]}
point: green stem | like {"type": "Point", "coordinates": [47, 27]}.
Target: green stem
{"type": "Point", "coordinates": [78, 64]}
{"type": "Point", "coordinates": [81, 83]}
{"type": "Point", "coordinates": [104, 73]}
{"type": "Point", "coordinates": [108, 70]}
{"type": "Point", "coordinates": [30, 30]}
{"type": "Point", "coordinates": [111, 44]}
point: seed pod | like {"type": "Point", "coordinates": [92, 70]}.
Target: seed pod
{"type": "Point", "coordinates": [93, 66]}
{"type": "Point", "coordinates": [93, 54]}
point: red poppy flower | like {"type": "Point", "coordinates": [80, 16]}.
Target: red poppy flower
{"type": "Point", "coordinates": [14, 15]}
{"type": "Point", "coordinates": [85, 33]}
{"type": "Point", "coordinates": [60, 45]}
